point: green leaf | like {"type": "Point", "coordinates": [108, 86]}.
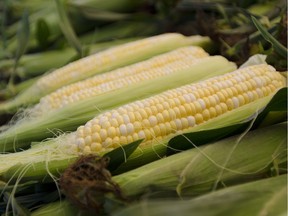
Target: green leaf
{"type": "Point", "coordinates": [279, 48]}
{"type": "Point", "coordinates": [120, 155]}
{"type": "Point", "coordinates": [42, 32]}
{"type": "Point", "coordinates": [23, 34]}
{"type": "Point", "coordinates": [277, 103]}
{"type": "Point", "coordinates": [67, 29]}
{"type": "Point", "coordinates": [202, 137]}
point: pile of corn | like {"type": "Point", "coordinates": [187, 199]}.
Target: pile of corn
{"type": "Point", "coordinates": [111, 130]}
{"type": "Point", "coordinates": [133, 104]}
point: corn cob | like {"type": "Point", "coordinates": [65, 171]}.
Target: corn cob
{"type": "Point", "coordinates": [157, 66]}
{"type": "Point", "coordinates": [177, 110]}
{"type": "Point", "coordinates": [159, 118]}
{"type": "Point", "coordinates": [98, 63]}
{"type": "Point", "coordinates": [35, 127]}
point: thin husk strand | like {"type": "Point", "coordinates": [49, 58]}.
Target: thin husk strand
{"type": "Point", "coordinates": [195, 171]}
{"type": "Point", "coordinates": [261, 197]}
{"type": "Point", "coordinates": [52, 156]}
{"type": "Point", "coordinates": [27, 130]}
{"type": "Point", "coordinates": [37, 90]}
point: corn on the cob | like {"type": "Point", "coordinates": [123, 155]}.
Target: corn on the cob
{"type": "Point", "coordinates": [98, 63]}
{"type": "Point", "coordinates": [88, 65]}
{"type": "Point", "coordinates": [176, 110]}
{"type": "Point", "coordinates": [158, 66]}
{"type": "Point", "coordinates": [158, 118]}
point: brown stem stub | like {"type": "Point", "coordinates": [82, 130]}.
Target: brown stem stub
{"type": "Point", "coordinates": [86, 182]}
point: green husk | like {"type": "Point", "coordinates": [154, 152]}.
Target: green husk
{"type": "Point", "coordinates": [278, 47]}
{"type": "Point", "coordinates": [68, 118]}
{"type": "Point", "coordinates": [231, 161]}
{"type": "Point", "coordinates": [262, 197]}
{"type": "Point", "coordinates": [200, 170]}
{"type": "Point", "coordinates": [34, 93]}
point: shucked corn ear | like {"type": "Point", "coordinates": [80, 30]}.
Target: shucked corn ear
{"type": "Point", "coordinates": [98, 63]}
{"type": "Point", "coordinates": [176, 110]}
{"type": "Point", "coordinates": [160, 117]}
{"type": "Point", "coordinates": [35, 127]}
{"type": "Point", "coordinates": [157, 66]}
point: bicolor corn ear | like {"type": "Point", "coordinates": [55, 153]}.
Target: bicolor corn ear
{"type": "Point", "coordinates": [176, 111]}
{"type": "Point", "coordinates": [219, 101]}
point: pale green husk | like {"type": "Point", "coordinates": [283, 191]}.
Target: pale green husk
{"type": "Point", "coordinates": [262, 197]}
{"type": "Point", "coordinates": [193, 172]}
{"type": "Point", "coordinates": [231, 161]}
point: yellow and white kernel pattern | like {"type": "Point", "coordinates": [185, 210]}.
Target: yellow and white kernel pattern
{"type": "Point", "coordinates": [176, 110]}
{"type": "Point", "coordinates": [83, 68]}
{"type": "Point", "coordinates": [158, 66]}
